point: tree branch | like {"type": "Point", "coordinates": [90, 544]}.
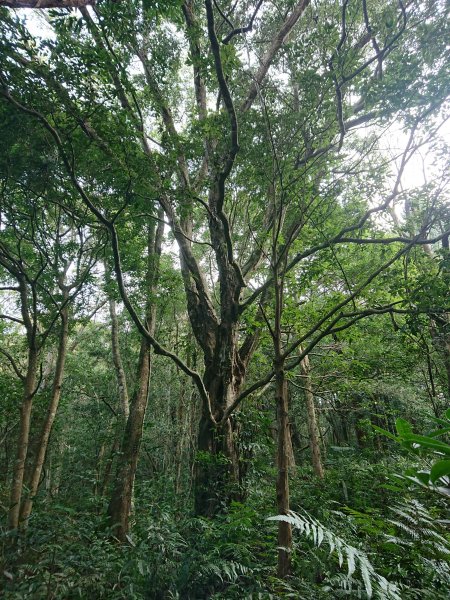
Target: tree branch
{"type": "Point", "coordinates": [47, 3]}
{"type": "Point", "coordinates": [271, 52]}
{"type": "Point", "coordinates": [245, 29]}
{"type": "Point", "coordinates": [13, 364]}
{"type": "Point", "coordinates": [12, 319]}
{"type": "Point", "coordinates": [157, 347]}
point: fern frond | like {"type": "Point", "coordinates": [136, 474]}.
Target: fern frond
{"type": "Point", "coordinates": [420, 525]}
{"type": "Point", "coordinates": [423, 533]}
{"type": "Point", "coordinates": [314, 530]}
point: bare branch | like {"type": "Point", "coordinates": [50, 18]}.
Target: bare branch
{"type": "Point", "coordinates": [245, 29]}
{"type": "Point", "coordinates": [271, 52]}
{"type": "Point", "coordinates": [47, 3]}
{"type": "Point", "coordinates": [13, 364]}
{"type": "Point", "coordinates": [12, 319]}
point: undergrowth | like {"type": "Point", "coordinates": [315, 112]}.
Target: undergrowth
{"type": "Point", "coordinates": [67, 553]}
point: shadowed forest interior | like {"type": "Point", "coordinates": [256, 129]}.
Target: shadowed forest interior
{"type": "Point", "coordinates": [224, 299]}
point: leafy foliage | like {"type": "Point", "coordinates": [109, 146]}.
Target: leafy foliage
{"type": "Point", "coordinates": [355, 558]}
{"type": "Point", "coordinates": [437, 476]}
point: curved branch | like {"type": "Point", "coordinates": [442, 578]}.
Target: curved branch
{"type": "Point", "coordinates": [157, 347]}
{"type": "Point", "coordinates": [13, 364]}
{"type": "Point", "coordinates": [15, 319]}
{"type": "Point", "coordinates": [331, 329]}
{"type": "Point", "coordinates": [223, 86]}
{"type": "Point", "coordinates": [245, 29]}
{"type": "Point", "coordinates": [271, 52]}
{"type": "Point", "coordinates": [47, 3]}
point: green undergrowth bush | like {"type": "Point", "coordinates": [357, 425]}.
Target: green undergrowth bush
{"type": "Point", "coordinates": [70, 553]}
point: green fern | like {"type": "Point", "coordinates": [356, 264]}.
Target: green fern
{"type": "Point", "coordinates": [420, 531]}
{"type": "Point", "coordinates": [354, 558]}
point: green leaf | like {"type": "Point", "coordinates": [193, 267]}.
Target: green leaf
{"type": "Point", "coordinates": [439, 469]}
{"type": "Point", "coordinates": [403, 427]}
{"type": "Point", "coordinates": [439, 432]}
{"type": "Point", "coordinates": [427, 442]}
{"type": "Point", "coordinates": [386, 433]}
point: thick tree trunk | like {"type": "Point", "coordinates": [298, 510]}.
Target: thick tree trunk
{"type": "Point", "coordinates": [35, 475]}
{"type": "Point", "coordinates": [216, 471]}
{"type": "Point", "coordinates": [23, 438]}
{"type": "Point", "coordinates": [313, 429]}
{"type": "Point", "coordinates": [217, 467]}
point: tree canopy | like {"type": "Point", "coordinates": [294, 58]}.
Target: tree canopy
{"type": "Point", "coordinates": [224, 241]}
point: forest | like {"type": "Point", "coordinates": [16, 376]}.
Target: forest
{"type": "Point", "coordinates": [224, 299]}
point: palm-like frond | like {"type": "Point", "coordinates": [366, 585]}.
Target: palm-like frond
{"type": "Point", "coordinates": [418, 529]}
{"type": "Point", "coordinates": [354, 557]}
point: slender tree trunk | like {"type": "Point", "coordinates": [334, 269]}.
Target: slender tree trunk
{"type": "Point", "coordinates": [446, 354]}
{"type": "Point", "coordinates": [119, 508]}
{"type": "Point", "coordinates": [57, 473]}
{"type": "Point", "coordinates": [118, 364]}
{"type": "Point", "coordinates": [282, 487]}
{"type": "Point", "coordinates": [124, 402]}
{"type": "Point", "coordinates": [313, 429]}
{"type": "Point", "coordinates": [23, 437]}
{"type": "Point", "coordinates": [35, 476]}
{"type": "Point", "coordinates": [103, 487]}
{"type": "Point", "coordinates": [179, 425]}
{"type": "Point", "coordinates": [100, 455]}
{"type": "Point", "coordinates": [183, 432]}
{"type": "Point", "coordinates": [49, 476]}
{"type": "Point", "coordinates": [440, 333]}
{"type": "Point", "coordinates": [284, 433]}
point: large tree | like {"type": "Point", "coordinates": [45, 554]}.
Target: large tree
{"type": "Point", "coordinates": [244, 124]}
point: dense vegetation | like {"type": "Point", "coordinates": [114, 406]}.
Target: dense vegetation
{"type": "Point", "coordinates": [224, 299]}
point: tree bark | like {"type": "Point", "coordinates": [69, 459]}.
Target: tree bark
{"type": "Point", "coordinates": [118, 364]}
{"type": "Point", "coordinates": [46, 3]}
{"type": "Point", "coordinates": [23, 438]}
{"type": "Point", "coordinates": [124, 398]}
{"type": "Point", "coordinates": [282, 487]}
{"type": "Point", "coordinates": [119, 508]}
{"type": "Point", "coordinates": [105, 478]}
{"type": "Point", "coordinates": [29, 390]}
{"type": "Point", "coordinates": [314, 440]}
{"type": "Point", "coordinates": [35, 476]}
{"type": "Point", "coordinates": [283, 431]}
{"type": "Point", "coordinates": [217, 468]}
